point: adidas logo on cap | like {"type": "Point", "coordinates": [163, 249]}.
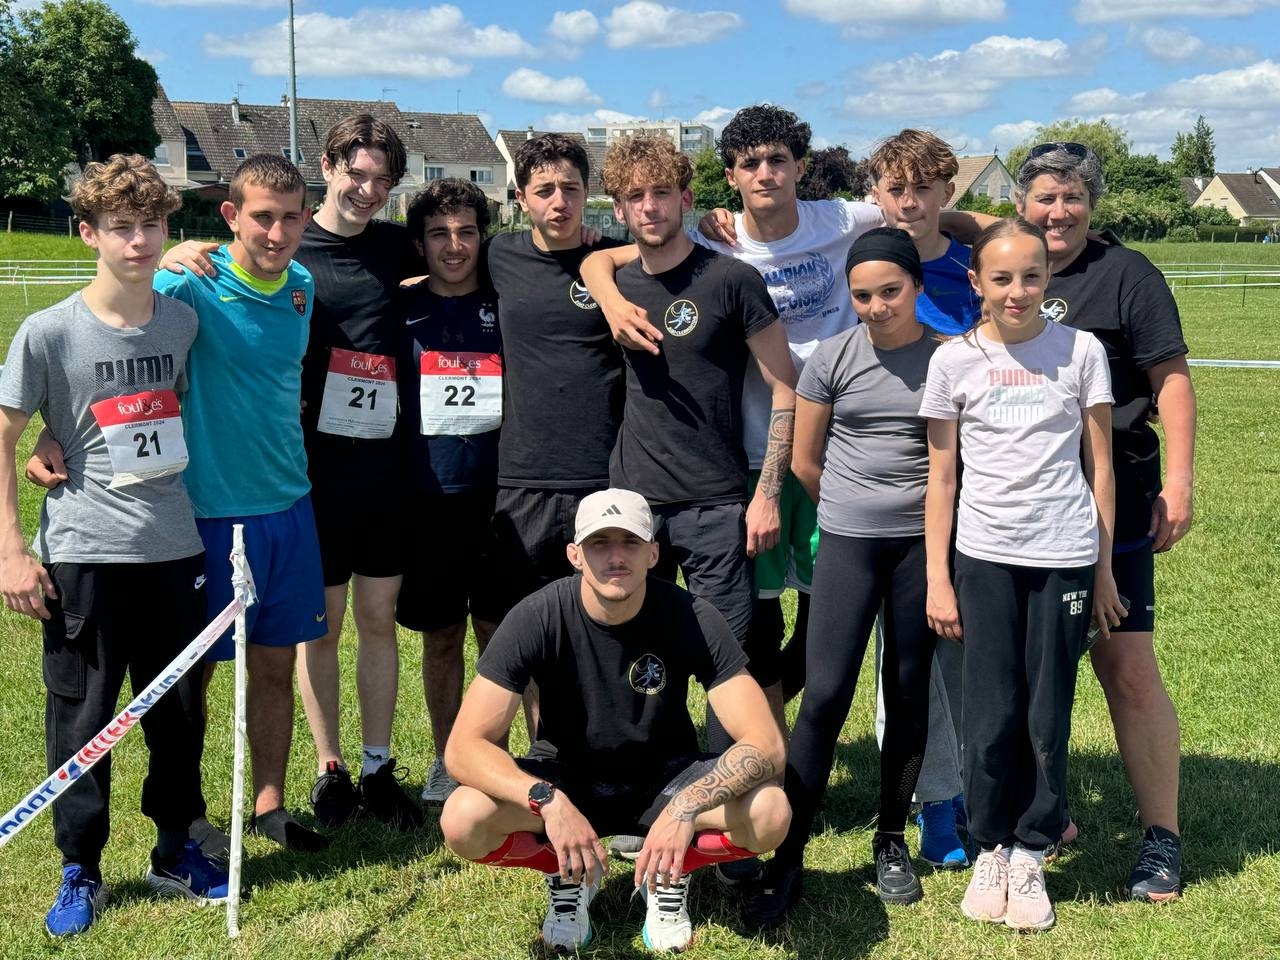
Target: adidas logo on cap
{"type": "Point", "coordinates": [613, 508]}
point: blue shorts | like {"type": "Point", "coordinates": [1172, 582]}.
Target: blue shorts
{"type": "Point", "coordinates": [284, 558]}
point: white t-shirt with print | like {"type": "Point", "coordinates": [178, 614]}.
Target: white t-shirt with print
{"type": "Point", "coordinates": [804, 272]}
{"type": "Point", "coordinates": [1020, 407]}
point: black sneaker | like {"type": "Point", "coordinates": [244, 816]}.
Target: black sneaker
{"type": "Point", "coordinates": [1157, 877]}
{"type": "Point", "coordinates": [385, 799]}
{"type": "Point", "coordinates": [771, 898]}
{"type": "Point", "coordinates": [334, 797]}
{"type": "Point", "coordinates": [896, 881]}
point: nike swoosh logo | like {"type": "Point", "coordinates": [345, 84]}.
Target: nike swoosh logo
{"type": "Point", "coordinates": [320, 617]}
{"type": "Point", "coordinates": [410, 323]}
{"type": "Point", "coordinates": [226, 299]}
{"type": "Point", "coordinates": [199, 582]}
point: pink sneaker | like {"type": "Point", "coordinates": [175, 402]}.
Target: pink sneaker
{"type": "Point", "coordinates": [988, 892]}
{"type": "Point", "coordinates": [1029, 908]}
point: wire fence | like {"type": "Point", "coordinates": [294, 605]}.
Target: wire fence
{"type": "Point", "coordinates": [203, 228]}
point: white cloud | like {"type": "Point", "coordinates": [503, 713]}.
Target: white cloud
{"type": "Point", "coordinates": [563, 120]}
{"type": "Point", "coordinates": [422, 44]}
{"type": "Point", "coordinates": [903, 11]}
{"type": "Point", "coordinates": [1175, 45]}
{"type": "Point", "coordinates": [1102, 100]}
{"type": "Point", "coordinates": [715, 117]}
{"type": "Point", "coordinates": [985, 65]}
{"type": "Point", "coordinates": [658, 100]}
{"type": "Point", "coordinates": [153, 57]}
{"type": "Point", "coordinates": [1248, 88]}
{"type": "Point", "coordinates": [1124, 11]}
{"type": "Point", "coordinates": [577, 27]}
{"type": "Point", "coordinates": [811, 91]}
{"type": "Point", "coordinates": [904, 107]}
{"type": "Point", "coordinates": [526, 84]}
{"type": "Point", "coordinates": [261, 4]}
{"type": "Point", "coordinates": [1003, 136]}
{"type": "Point", "coordinates": [642, 23]}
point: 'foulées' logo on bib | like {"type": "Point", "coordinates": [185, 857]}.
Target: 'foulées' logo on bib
{"type": "Point", "coordinates": [681, 317]}
{"type": "Point", "coordinates": [581, 297]}
{"type": "Point", "coordinates": [648, 675]}
{"type": "Point", "coordinates": [1055, 309]}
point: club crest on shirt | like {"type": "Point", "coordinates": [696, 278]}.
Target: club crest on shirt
{"type": "Point", "coordinates": [581, 297]}
{"type": "Point", "coordinates": [300, 301]}
{"type": "Point", "coordinates": [648, 675]}
{"type": "Point", "coordinates": [681, 317]}
{"type": "Point", "coordinates": [488, 317]}
{"type": "Point", "coordinates": [1054, 309]}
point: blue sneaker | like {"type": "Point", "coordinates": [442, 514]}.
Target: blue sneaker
{"type": "Point", "coordinates": [194, 876]}
{"type": "Point", "coordinates": [939, 843]}
{"type": "Point", "coordinates": [78, 902]}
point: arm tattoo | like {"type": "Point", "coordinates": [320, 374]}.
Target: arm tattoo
{"type": "Point", "coordinates": [739, 769]}
{"type": "Point", "coordinates": [777, 453]}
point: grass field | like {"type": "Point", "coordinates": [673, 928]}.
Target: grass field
{"type": "Point", "coordinates": [379, 895]}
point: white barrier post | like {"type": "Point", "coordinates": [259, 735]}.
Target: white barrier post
{"type": "Point", "coordinates": [242, 584]}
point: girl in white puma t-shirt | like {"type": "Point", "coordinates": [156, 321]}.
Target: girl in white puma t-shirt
{"type": "Point", "coordinates": [1016, 396]}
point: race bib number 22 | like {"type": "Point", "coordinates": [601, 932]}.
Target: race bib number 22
{"type": "Point", "coordinates": [460, 393]}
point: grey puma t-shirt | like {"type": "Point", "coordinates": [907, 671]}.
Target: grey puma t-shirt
{"type": "Point", "coordinates": [109, 397]}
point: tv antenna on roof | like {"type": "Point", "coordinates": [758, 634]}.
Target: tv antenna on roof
{"type": "Point", "coordinates": [385, 91]}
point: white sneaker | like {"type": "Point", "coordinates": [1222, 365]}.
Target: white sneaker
{"type": "Point", "coordinates": [567, 925]}
{"type": "Point", "coordinates": [666, 919]}
{"type": "Point", "coordinates": [439, 784]}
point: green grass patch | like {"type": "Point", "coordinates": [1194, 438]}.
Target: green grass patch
{"type": "Point", "coordinates": [376, 894]}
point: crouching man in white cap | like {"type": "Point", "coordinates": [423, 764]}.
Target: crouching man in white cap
{"type": "Point", "coordinates": [612, 651]}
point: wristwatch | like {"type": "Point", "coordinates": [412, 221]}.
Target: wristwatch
{"type": "Point", "coordinates": [540, 794]}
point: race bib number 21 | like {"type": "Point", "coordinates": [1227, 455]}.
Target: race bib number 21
{"type": "Point", "coordinates": [144, 435]}
{"type": "Point", "coordinates": [359, 395]}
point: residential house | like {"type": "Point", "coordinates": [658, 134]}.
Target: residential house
{"type": "Point", "coordinates": [1251, 197]}
{"type": "Point", "coordinates": [983, 176]}
{"type": "Point", "coordinates": [1192, 187]}
{"type": "Point", "coordinates": [170, 156]}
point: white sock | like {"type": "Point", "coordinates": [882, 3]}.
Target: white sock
{"type": "Point", "coordinates": [1022, 853]}
{"type": "Point", "coordinates": [374, 757]}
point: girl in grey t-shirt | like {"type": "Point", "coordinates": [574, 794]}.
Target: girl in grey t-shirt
{"type": "Point", "coordinates": [858, 399]}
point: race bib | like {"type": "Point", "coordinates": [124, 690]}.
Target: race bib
{"type": "Point", "coordinates": [144, 436]}
{"type": "Point", "coordinates": [359, 395]}
{"type": "Point", "coordinates": [460, 393]}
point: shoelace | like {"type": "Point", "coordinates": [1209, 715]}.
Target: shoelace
{"type": "Point", "coordinates": [671, 900]}
{"type": "Point", "coordinates": [1158, 855]}
{"type": "Point", "coordinates": [564, 897]}
{"type": "Point", "coordinates": [69, 891]}
{"type": "Point", "coordinates": [892, 856]}
{"type": "Point", "coordinates": [990, 870]}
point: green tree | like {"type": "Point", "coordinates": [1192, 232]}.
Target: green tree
{"type": "Point", "coordinates": [83, 55]}
{"type": "Point", "coordinates": [710, 187]}
{"type": "Point", "coordinates": [1146, 174]}
{"type": "Point", "coordinates": [32, 154]}
{"type": "Point", "coordinates": [1108, 142]}
{"type": "Point", "coordinates": [1193, 152]}
{"type": "Point", "coordinates": [831, 172]}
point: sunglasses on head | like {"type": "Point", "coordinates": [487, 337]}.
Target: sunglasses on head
{"type": "Point", "coordinates": [1077, 150]}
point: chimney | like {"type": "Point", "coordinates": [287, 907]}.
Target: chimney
{"type": "Point", "coordinates": [529, 133]}
{"type": "Point", "coordinates": [235, 109]}
{"type": "Point", "coordinates": [284, 99]}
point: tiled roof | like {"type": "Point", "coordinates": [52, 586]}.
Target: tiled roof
{"type": "Point", "coordinates": [970, 169]}
{"type": "Point", "coordinates": [1253, 193]}
{"type": "Point", "coordinates": [455, 137]}
{"type": "Point", "coordinates": [165, 119]}
{"type": "Point", "coordinates": [595, 151]}
{"type": "Point", "coordinates": [1192, 187]}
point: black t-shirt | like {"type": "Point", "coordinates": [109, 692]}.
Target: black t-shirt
{"type": "Point", "coordinates": [456, 329]}
{"type": "Point", "coordinates": [356, 308]}
{"type": "Point", "coordinates": [1120, 297]}
{"type": "Point", "coordinates": [612, 699]}
{"type": "Point", "coordinates": [681, 435]}
{"type": "Point", "coordinates": [563, 389]}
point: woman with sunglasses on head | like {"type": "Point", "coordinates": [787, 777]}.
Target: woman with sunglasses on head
{"type": "Point", "coordinates": [1026, 404]}
{"type": "Point", "coordinates": [861, 454]}
{"type": "Point", "coordinates": [1120, 297]}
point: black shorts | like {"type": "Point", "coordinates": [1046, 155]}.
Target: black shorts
{"type": "Point", "coordinates": [358, 495]}
{"type": "Point", "coordinates": [1135, 573]}
{"type": "Point", "coordinates": [449, 570]}
{"type": "Point", "coordinates": [621, 808]}
{"type": "Point", "coordinates": [531, 528]}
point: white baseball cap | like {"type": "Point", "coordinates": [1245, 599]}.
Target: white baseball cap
{"type": "Point", "coordinates": [623, 509]}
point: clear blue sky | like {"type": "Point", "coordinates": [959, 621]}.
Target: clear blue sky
{"type": "Point", "coordinates": [982, 73]}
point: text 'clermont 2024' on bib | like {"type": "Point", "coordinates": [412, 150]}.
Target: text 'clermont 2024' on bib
{"type": "Point", "coordinates": [460, 393]}
{"type": "Point", "coordinates": [144, 436]}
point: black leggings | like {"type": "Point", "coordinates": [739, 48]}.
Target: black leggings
{"type": "Point", "coordinates": [852, 578]}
